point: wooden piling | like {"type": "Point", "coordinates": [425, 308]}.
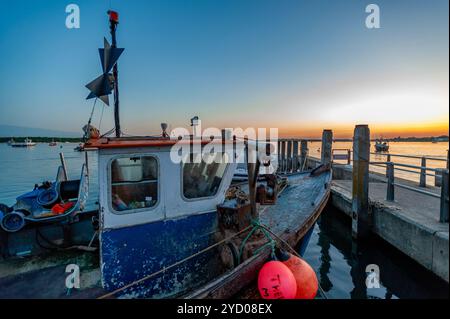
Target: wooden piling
{"type": "Point", "coordinates": [279, 155]}
{"type": "Point", "coordinates": [283, 156]}
{"type": "Point", "coordinates": [327, 143]}
{"type": "Point", "coordinates": [390, 196]}
{"type": "Point", "coordinates": [360, 191]}
{"type": "Point", "coordinates": [423, 173]}
{"type": "Point", "coordinates": [438, 177]}
{"type": "Point", "coordinates": [295, 156]}
{"type": "Point", "coordinates": [289, 156]}
{"type": "Point", "coordinates": [303, 154]}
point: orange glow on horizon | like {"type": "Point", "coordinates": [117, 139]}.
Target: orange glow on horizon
{"type": "Point", "coordinates": [376, 130]}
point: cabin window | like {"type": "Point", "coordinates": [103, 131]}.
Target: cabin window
{"type": "Point", "coordinates": [203, 179]}
{"type": "Point", "coordinates": [134, 183]}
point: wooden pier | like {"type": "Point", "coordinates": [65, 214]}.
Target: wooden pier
{"type": "Point", "coordinates": [413, 217]}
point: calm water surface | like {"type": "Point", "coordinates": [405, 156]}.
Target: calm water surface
{"type": "Point", "coordinates": [340, 264]}
{"type": "Point", "coordinates": [21, 168]}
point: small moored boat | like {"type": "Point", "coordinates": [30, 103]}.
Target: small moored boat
{"type": "Point", "coordinates": [26, 143]}
{"type": "Point", "coordinates": [381, 146]}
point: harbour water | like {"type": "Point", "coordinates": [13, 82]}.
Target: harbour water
{"type": "Point", "coordinates": [22, 168]}
{"type": "Point", "coordinates": [339, 262]}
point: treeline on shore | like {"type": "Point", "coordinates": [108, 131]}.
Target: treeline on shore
{"type": "Point", "coordinates": [41, 139]}
{"type": "Point", "coordinates": [442, 138]}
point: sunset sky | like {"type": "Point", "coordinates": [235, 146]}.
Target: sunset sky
{"type": "Point", "coordinates": [297, 65]}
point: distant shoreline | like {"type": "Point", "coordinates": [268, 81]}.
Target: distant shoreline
{"type": "Point", "coordinates": [42, 139]}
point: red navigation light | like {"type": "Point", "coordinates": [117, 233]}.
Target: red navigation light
{"type": "Point", "coordinates": [113, 16]}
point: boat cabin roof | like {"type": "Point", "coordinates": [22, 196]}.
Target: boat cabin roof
{"type": "Point", "coordinates": [127, 142]}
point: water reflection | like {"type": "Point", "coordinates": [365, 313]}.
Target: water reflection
{"type": "Point", "coordinates": [340, 264]}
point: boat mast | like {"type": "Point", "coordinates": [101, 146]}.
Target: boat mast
{"type": "Point", "coordinates": [113, 22]}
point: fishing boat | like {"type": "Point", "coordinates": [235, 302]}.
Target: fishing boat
{"type": "Point", "coordinates": [26, 143]}
{"type": "Point", "coordinates": [166, 226]}
{"type": "Point", "coordinates": [52, 143]}
{"type": "Point", "coordinates": [381, 145]}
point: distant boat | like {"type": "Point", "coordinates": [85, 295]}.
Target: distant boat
{"type": "Point", "coordinates": [11, 141]}
{"type": "Point", "coordinates": [52, 143]}
{"type": "Point", "coordinates": [26, 143]}
{"type": "Point", "coordinates": [79, 148]}
{"type": "Point", "coordinates": [381, 146]}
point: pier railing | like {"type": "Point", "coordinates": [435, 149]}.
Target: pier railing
{"type": "Point", "coordinates": [440, 174]}
{"type": "Point", "coordinates": [291, 160]}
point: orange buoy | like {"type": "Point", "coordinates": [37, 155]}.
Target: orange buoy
{"type": "Point", "coordinates": [276, 281]}
{"type": "Point", "coordinates": [305, 277]}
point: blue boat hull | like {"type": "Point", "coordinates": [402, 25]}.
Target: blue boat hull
{"type": "Point", "coordinates": [131, 253]}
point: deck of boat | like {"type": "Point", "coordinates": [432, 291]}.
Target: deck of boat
{"type": "Point", "coordinates": [297, 203]}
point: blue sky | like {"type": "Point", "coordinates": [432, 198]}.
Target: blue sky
{"type": "Point", "coordinates": [297, 65]}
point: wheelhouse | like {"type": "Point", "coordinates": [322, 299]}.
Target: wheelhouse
{"type": "Point", "coordinates": [155, 210]}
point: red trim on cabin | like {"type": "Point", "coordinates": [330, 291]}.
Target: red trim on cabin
{"type": "Point", "coordinates": [123, 142]}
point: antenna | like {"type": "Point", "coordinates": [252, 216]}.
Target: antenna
{"type": "Point", "coordinates": [113, 22]}
{"type": "Point", "coordinates": [108, 82]}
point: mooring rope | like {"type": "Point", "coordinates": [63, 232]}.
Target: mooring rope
{"type": "Point", "coordinates": [164, 269]}
{"type": "Point", "coordinates": [292, 250]}
{"type": "Point", "coordinates": [256, 225]}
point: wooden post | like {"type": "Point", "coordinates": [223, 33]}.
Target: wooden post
{"type": "Point", "coordinates": [390, 196]}
{"type": "Point", "coordinates": [279, 155]}
{"type": "Point", "coordinates": [283, 156]}
{"type": "Point", "coordinates": [388, 160]}
{"type": "Point", "coordinates": [444, 198]}
{"type": "Point", "coordinates": [448, 160]}
{"type": "Point", "coordinates": [303, 154]}
{"type": "Point", "coordinates": [295, 157]}
{"type": "Point", "coordinates": [360, 190]}
{"type": "Point", "coordinates": [438, 177]}
{"type": "Point", "coordinates": [423, 173]}
{"type": "Point", "coordinates": [349, 157]}
{"type": "Point", "coordinates": [253, 165]}
{"type": "Point", "coordinates": [63, 164]}
{"type": "Point", "coordinates": [289, 156]}
{"type": "Point", "coordinates": [327, 142]}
